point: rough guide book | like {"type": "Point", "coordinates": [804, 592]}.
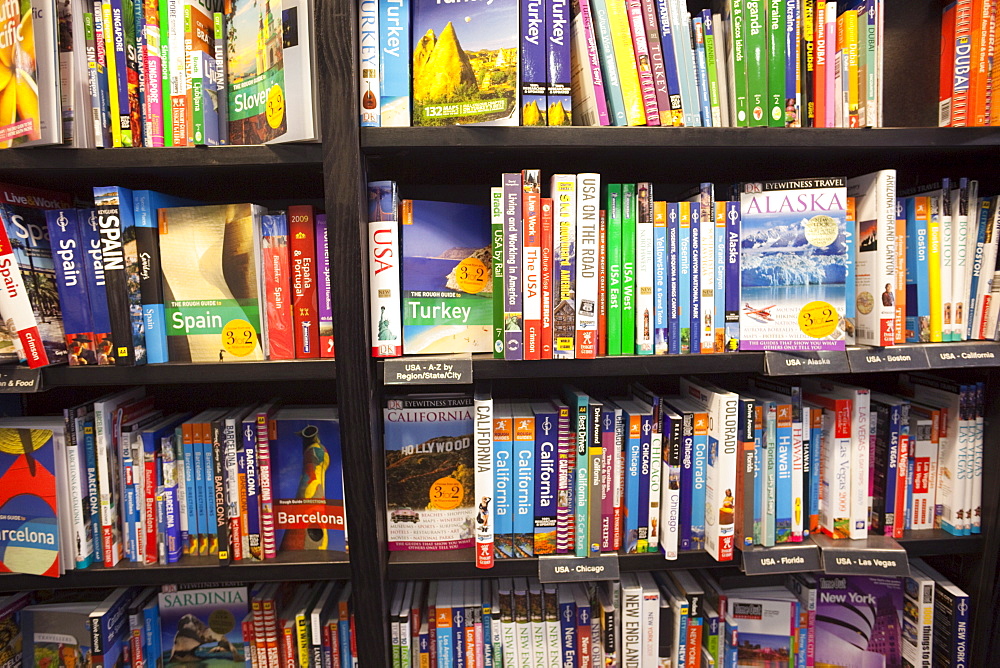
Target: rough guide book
{"type": "Point", "coordinates": [465, 62]}
{"type": "Point", "coordinates": [29, 529]}
{"type": "Point", "coordinates": [203, 626]}
{"type": "Point", "coordinates": [212, 291]}
{"type": "Point", "coordinates": [793, 265]}
{"type": "Point", "coordinates": [446, 278]}
{"type": "Point", "coordinates": [429, 477]}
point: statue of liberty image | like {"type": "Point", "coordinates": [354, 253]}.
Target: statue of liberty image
{"type": "Point", "coordinates": [384, 333]}
{"type": "Point", "coordinates": [312, 485]}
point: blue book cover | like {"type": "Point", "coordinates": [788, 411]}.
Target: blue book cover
{"type": "Point", "coordinates": [29, 532]}
{"type": "Point", "coordinates": [69, 257]}
{"type": "Point", "coordinates": [983, 230]}
{"type": "Point", "coordinates": [661, 288]}
{"type": "Point", "coordinates": [204, 496]}
{"type": "Point", "coordinates": [446, 278]}
{"type": "Point", "coordinates": [696, 286]}
{"type": "Point", "coordinates": [394, 61]}
{"type": "Point", "coordinates": [645, 467]}
{"type": "Point", "coordinates": [579, 411]}
{"type": "Point", "coordinates": [90, 457]}
{"type": "Point", "coordinates": [686, 477]}
{"type": "Point", "coordinates": [609, 68]}
{"type": "Point", "coordinates": [533, 66]}
{"type": "Point", "coordinates": [721, 270]}
{"type": "Point", "coordinates": [699, 478]}
{"type": "Point", "coordinates": [557, 61]}
{"type": "Point", "coordinates": [545, 480]}
{"type": "Point", "coordinates": [209, 619]}
{"type": "Point", "coordinates": [187, 454]}
{"type": "Point", "coordinates": [524, 479]}
{"type": "Point", "coordinates": [633, 480]}
{"type": "Point", "coordinates": [673, 279]}
{"type": "Point", "coordinates": [815, 454]}
{"type": "Point", "coordinates": [732, 287]}
{"type": "Point", "coordinates": [446, 88]}
{"type": "Point", "coordinates": [770, 473]}
{"type": "Point", "coordinates": [109, 628]}
{"type": "Point", "coordinates": [680, 22]}
{"type": "Point", "coordinates": [145, 204]}
{"type": "Point", "coordinates": [307, 472]}
{"type": "Point", "coordinates": [153, 646]}
{"type": "Point", "coordinates": [567, 626]}
{"type": "Point", "coordinates": [503, 457]}
{"type": "Point", "coordinates": [676, 116]}
{"type": "Point", "coordinates": [458, 624]}
{"type": "Point", "coordinates": [783, 507]}
{"type": "Point", "coordinates": [918, 296]}
{"type": "Point", "coordinates": [94, 274]}
{"type": "Point", "coordinates": [704, 101]}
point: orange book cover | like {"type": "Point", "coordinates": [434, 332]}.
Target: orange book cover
{"type": "Point", "coordinates": [947, 64]}
{"type": "Point", "coordinates": [961, 64]}
{"type": "Point", "coordinates": [981, 54]}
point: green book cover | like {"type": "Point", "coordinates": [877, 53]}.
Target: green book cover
{"type": "Point", "coordinates": [712, 67]}
{"type": "Point", "coordinates": [755, 31]}
{"type": "Point", "coordinates": [210, 258]}
{"type": "Point", "coordinates": [168, 121]}
{"type": "Point", "coordinates": [629, 219]}
{"type": "Point", "coordinates": [496, 236]}
{"type": "Point", "coordinates": [738, 60]}
{"type": "Point", "coordinates": [613, 207]}
{"type": "Point", "coordinates": [776, 63]}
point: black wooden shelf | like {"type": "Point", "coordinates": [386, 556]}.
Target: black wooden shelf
{"type": "Point", "coordinates": [934, 542]}
{"type": "Point", "coordinates": [485, 366]}
{"type": "Point", "coordinates": [296, 566]}
{"type": "Point", "coordinates": [180, 372]}
{"type": "Point", "coordinates": [59, 158]}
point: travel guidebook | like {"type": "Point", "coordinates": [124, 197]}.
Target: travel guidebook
{"type": "Point", "coordinates": [209, 257]}
{"type": "Point", "coordinates": [203, 626]}
{"type": "Point", "coordinates": [29, 529]}
{"type": "Point", "coordinates": [859, 621]}
{"type": "Point", "coordinates": [429, 472]}
{"type": "Point", "coordinates": [447, 278]}
{"type": "Point", "coordinates": [465, 62]}
{"type": "Point", "coordinates": [793, 265]}
{"type": "Point", "coordinates": [307, 471]}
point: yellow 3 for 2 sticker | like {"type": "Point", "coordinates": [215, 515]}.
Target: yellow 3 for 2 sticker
{"type": "Point", "coordinates": [274, 109]}
{"type": "Point", "coordinates": [818, 319]}
{"type": "Point", "coordinates": [239, 338]}
{"type": "Point", "coordinates": [446, 493]}
{"type": "Point", "coordinates": [471, 275]}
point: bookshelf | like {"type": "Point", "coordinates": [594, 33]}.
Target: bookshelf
{"type": "Point", "coordinates": [460, 163]}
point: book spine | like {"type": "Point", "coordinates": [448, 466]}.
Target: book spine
{"type": "Point", "coordinates": [833, 63]}
{"type": "Point", "coordinates": [165, 8]}
{"type": "Point", "coordinates": [545, 480]}
{"type": "Point", "coordinates": [150, 532]}
{"type": "Point", "coordinates": [302, 246]}
{"type": "Point", "coordinates": [485, 519]}
{"type": "Point", "coordinates": [629, 223]}
{"type": "Point", "coordinates": [657, 64]}
{"type": "Point", "coordinates": [783, 476]}
{"type": "Point", "coordinates": [820, 49]}
{"type": "Point", "coordinates": [99, 90]}
{"type": "Point", "coordinates": [564, 202]}
{"type": "Point", "coordinates": [579, 415]}
{"type": "Point", "coordinates": [115, 41]}
{"type": "Point", "coordinates": [557, 63]}
{"type": "Point", "coordinates": [640, 48]}
{"type": "Point", "coordinates": [605, 45]}
{"type": "Point", "coordinates": [532, 264]}
{"type": "Point", "coordinates": [532, 62]}
{"type": "Point", "coordinates": [513, 298]}
{"type": "Point", "coordinates": [497, 232]}
{"type": "Point", "coordinates": [503, 531]}
{"type": "Point", "coordinates": [687, 483]}
{"type": "Point", "coordinates": [613, 208]}
{"type": "Point", "coordinates": [699, 473]}
{"type": "Point", "coordinates": [195, 47]}
{"type": "Point", "coordinates": [267, 538]}
{"type": "Point", "coordinates": [16, 303]}
{"type": "Point", "coordinates": [277, 281]}
{"type": "Point", "coordinates": [524, 428]}
{"type": "Point", "coordinates": [602, 285]}
{"type": "Point", "coordinates": [617, 473]}
{"type": "Point", "coordinates": [684, 276]}
{"type": "Point", "coordinates": [116, 225]}
{"type": "Point", "coordinates": [697, 273]}
{"type": "Point", "coordinates": [732, 289]}
{"type": "Point", "coordinates": [394, 61]}
{"type": "Point", "coordinates": [83, 551]}
{"type": "Point", "coordinates": [220, 529]}
{"type": "Point", "coordinates": [719, 288]}
{"type": "Point", "coordinates": [255, 549]}
{"type": "Point", "coordinates": [675, 112]}
{"type": "Point", "coordinates": [712, 51]}
{"type": "Point", "coordinates": [202, 478]}
{"type": "Point", "coordinates": [69, 258]}
{"type": "Point", "coordinates": [138, 57]}
{"type": "Point", "coordinates": [652, 455]}
{"type": "Point", "coordinates": [89, 455]}
{"type": "Point", "coordinates": [660, 283]}
{"type": "Point", "coordinates": [701, 71]}
{"type": "Point", "coordinates": [625, 59]}
{"type": "Point", "coordinates": [147, 240]}
{"type": "Point", "coordinates": [595, 109]}
{"type": "Point", "coordinates": [960, 238]}
{"type": "Point", "coordinates": [776, 63]}
{"type": "Point", "coordinates": [756, 25]}
{"type": "Point", "coordinates": [850, 75]}
{"type": "Point", "coordinates": [644, 268]}
{"type": "Point", "coordinates": [587, 251]}
{"type": "Point", "coordinates": [547, 279]}
{"type": "Point", "coordinates": [564, 479]}
{"type": "Point", "coordinates": [369, 108]}
{"type": "Point", "coordinates": [235, 495]}
{"type": "Point", "coordinates": [738, 61]}
{"type": "Point", "coordinates": [670, 514]}
{"type": "Point", "coordinates": [221, 77]}
{"type": "Point", "coordinates": [324, 291]}
{"type": "Point", "coordinates": [807, 60]}
{"type": "Point", "coordinates": [179, 112]}
{"type": "Point", "coordinates": [934, 252]}
{"type": "Point", "coordinates": [680, 21]}
{"type": "Point", "coordinates": [608, 422]}
{"type": "Point", "coordinates": [596, 454]}
{"type": "Point", "coordinates": [961, 67]}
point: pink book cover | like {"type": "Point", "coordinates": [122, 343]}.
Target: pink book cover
{"type": "Point", "coordinates": [643, 63]}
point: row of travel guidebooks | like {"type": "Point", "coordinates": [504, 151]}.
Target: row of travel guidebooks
{"type": "Point", "coordinates": [700, 467]}
{"type": "Point", "coordinates": [747, 63]}
{"type": "Point", "coordinates": [970, 78]}
{"type": "Point", "coordinates": [684, 618]}
{"type": "Point", "coordinates": [144, 277]}
{"type": "Point", "coordinates": [117, 478]}
{"type": "Point", "coordinates": [607, 269]}
{"type": "Point", "coordinates": [123, 73]}
{"type": "Point", "coordinates": [225, 625]}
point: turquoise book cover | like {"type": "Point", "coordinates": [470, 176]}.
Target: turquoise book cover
{"type": "Point", "coordinates": [308, 470]}
{"type": "Point", "coordinates": [446, 278]}
{"type": "Point", "coordinates": [203, 627]}
{"type": "Point", "coordinates": [29, 531]}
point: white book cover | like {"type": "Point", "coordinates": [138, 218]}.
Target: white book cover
{"type": "Point", "coordinates": [508, 627]}
{"type": "Point", "coordinates": [384, 259]}
{"type": "Point", "coordinates": [631, 609]}
{"type": "Point", "coordinates": [483, 434]}
{"type": "Point", "coordinates": [720, 483]}
{"type": "Point", "coordinates": [394, 608]}
{"type": "Point", "coordinates": [562, 189]}
{"type": "Point", "coordinates": [835, 477]}
{"type": "Point", "coordinates": [917, 646]}
{"type": "Point", "coordinates": [522, 624]}
{"type": "Point", "coordinates": [531, 264]}
{"type": "Point", "coordinates": [943, 197]}
{"type": "Point", "coordinates": [539, 639]}
{"type": "Point", "coordinates": [923, 444]}
{"type": "Point", "coordinates": [723, 68]}
{"type": "Point", "coordinates": [644, 305]}
{"type": "Point", "coordinates": [655, 487]}
{"type": "Point", "coordinates": [77, 488]}
{"type": "Point", "coordinates": [967, 443]}
{"type": "Point", "coordinates": [706, 203]}
{"type": "Point", "coordinates": [959, 261]}
{"type": "Point", "coordinates": [368, 88]}
{"type": "Point", "coordinates": [109, 470]}
{"type": "Point", "coordinates": [670, 499]}
{"type": "Point", "coordinates": [588, 244]}
{"type": "Point", "coordinates": [550, 604]}
{"type": "Point", "coordinates": [650, 617]}
{"type": "Point", "coordinates": [976, 479]}
{"type": "Point", "coordinates": [797, 481]}
{"type": "Point", "coordinates": [875, 256]}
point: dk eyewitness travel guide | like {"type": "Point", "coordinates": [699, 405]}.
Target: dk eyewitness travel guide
{"type": "Point", "coordinates": [793, 265]}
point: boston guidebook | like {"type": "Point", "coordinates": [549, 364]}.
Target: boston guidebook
{"type": "Point", "coordinates": [793, 264]}
{"type": "Point", "coordinates": [429, 472]}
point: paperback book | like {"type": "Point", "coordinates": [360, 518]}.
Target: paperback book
{"type": "Point", "coordinates": [202, 626]}
{"type": "Point", "coordinates": [29, 528]}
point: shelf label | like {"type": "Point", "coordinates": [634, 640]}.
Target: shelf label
{"type": "Point", "coordinates": [900, 358]}
{"type": "Point", "coordinates": [20, 379]}
{"type": "Point", "coordinates": [437, 370]}
{"type": "Point", "coordinates": [875, 555]}
{"type": "Point", "coordinates": [781, 363]}
{"type": "Point", "coordinates": [578, 569]}
{"type": "Point", "coordinates": [786, 558]}
{"type": "Point", "coordinates": [963, 354]}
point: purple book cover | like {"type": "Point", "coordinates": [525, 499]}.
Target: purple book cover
{"type": "Point", "coordinates": [687, 479]}
{"type": "Point", "coordinates": [695, 278]}
{"type": "Point", "coordinates": [641, 46]}
{"type": "Point", "coordinates": [513, 320]}
{"type": "Point", "coordinates": [732, 314]}
{"type": "Point", "coordinates": [608, 422]}
{"type": "Point", "coordinates": [532, 75]}
{"type": "Point", "coordinates": [546, 480]}
{"type": "Point", "coordinates": [859, 621]}
{"type": "Point", "coordinates": [594, 62]}
{"type": "Point", "coordinates": [656, 60]}
{"type": "Point", "coordinates": [249, 435]}
{"type": "Point", "coordinates": [645, 445]}
{"type": "Point", "coordinates": [324, 292]}
{"type": "Point", "coordinates": [557, 60]}
{"type": "Point", "coordinates": [673, 280]}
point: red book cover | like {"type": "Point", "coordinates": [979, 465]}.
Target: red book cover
{"type": "Point", "coordinates": [547, 275]}
{"type": "Point", "coordinates": [820, 67]}
{"type": "Point", "coordinates": [271, 630]}
{"type": "Point", "coordinates": [248, 639]}
{"type": "Point", "coordinates": [584, 640]}
{"type": "Point", "coordinates": [693, 645]}
{"type": "Point", "coordinates": [602, 287]}
{"type": "Point", "coordinates": [277, 287]}
{"type": "Point", "coordinates": [982, 59]}
{"type": "Point", "coordinates": [305, 307]}
{"type": "Point", "coordinates": [151, 553]}
{"type": "Point", "coordinates": [947, 64]}
{"type": "Point", "coordinates": [903, 458]}
{"type": "Point", "coordinates": [962, 60]}
{"type": "Point", "coordinates": [289, 654]}
{"type": "Point", "coordinates": [532, 266]}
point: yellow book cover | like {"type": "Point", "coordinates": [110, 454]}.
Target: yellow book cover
{"type": "Point", "coordinates": [19, 111]}
{"type": "Point", "coordinates": [852, 74]}
{"type": "Point", "coordinates": [112, 69]}
{"type": "Point", "coordinates": [934, 264]}
{"type": "Point", "coordinates": [628, 71]}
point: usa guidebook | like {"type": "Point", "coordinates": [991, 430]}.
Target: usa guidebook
{"type": "Point", "coordinates": [793, 264]}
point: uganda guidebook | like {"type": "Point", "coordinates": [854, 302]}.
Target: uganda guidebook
{"type": "Point", "coordinates": [793, 264]}
{"type": "Point", "coordinates": [447, 278]}
{"type": "Point", "coordinates": [429, 472]}
{"type": "Point", "coordinates": [307, 471]}
{"type": "Point", "coordinates": [203, 627]}
{"type": "Point", "coordinates": [209, 257]}
{"type": "Point", "coordinates": [465, 62]}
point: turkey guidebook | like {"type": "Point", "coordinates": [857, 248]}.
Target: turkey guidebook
{"type": "Point", "coordinates": [429, 472]}
{"type": "Point", "coordinates": [793, 265]}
